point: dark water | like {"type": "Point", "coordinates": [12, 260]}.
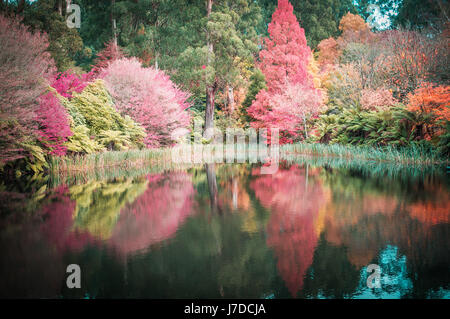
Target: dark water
{"type": "Point", "coordinates": [308, 231]}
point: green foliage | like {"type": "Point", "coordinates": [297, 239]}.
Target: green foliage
{"type": "Point", "coordinates": [65, 43]}
{"type": "Point", "coordinates": [114, 140]}
{"type": "Point", "coordinates": [80, 142]}
{"type": "Point", "coordinates": [95, 105]}
{"type": "Point", "coordinates": [36, 161]}
{"type": "Point", "coordinates": [108, 127]}
{"type": "Point", "coordinates": [417, 14]}
{"type": "Point", "coordinates": [257, 83]}
{"type": "Point", "coordinates": [361, 127]}
{"type": "Point", "coordinates": [443, 145]}
{"type": "Point", "coordinates": [97, 125]}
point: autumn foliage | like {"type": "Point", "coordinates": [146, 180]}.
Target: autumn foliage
{"type": "Point", "coordinates": [431, 99]}
{"type": "Point", "coordinates": [294, 199]}
{"type": "Point", "coordinates": [54, 125]}
{"type": "Point", "coordinates": [149, 97]}
{"type": "Point", "coordinates": [25, 67]}
{"type": "Point", "coordinates": [284, 63]}
{"type": "Point", "coordinates": [105, 57]}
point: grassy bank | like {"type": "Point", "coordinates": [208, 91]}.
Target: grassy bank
{"type": "Point", "coordinates": [108, 160]}
{"type": "Point", "coordinates": [108, 165]}
{"type": "Point", "coordinates": [411, 155]}
{"type": "Point", "coordinates": [134, 159]}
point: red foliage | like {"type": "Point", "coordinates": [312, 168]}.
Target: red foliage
{"type": "Point", "coordinates": [149, 97]}
{"type": "Point", "coordinates": [284, 63]}
{"type": "Point", "coordinates": [105, 57]}
{"type": "Point", "coordinates": [286, 54]}
{"type": "Point", "coordinates": [68, 82]}
{"type": "Point", "coordinates": [434, 101]}
{"type": "Point", "coordinates": [25, 65]}
{"type": "Point", "coordinates": [431, 99]}
{"type": "Point", "coordinates": [294, 200]}
{"type": "Point", "coordinates": [54, 125]}
{"type": "Point", "coordinates": [408, 59]}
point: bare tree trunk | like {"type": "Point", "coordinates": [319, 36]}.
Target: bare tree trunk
{"type": "Point", "coordinates": [60, 7]}
{"type": "Point", "coordinates": [68, 4]}
{"type": "Point", "coordinates": [209, 113]}
{"type": "Point", "coordinates": [211, 89]}
{"type": "Point", "coordinates": [306, 128]}
{"type": "Point", "coordinates": [212, 187]}
{"type": "Point", "coordinates": [113, 22]}
{"type": "Point", "coordinates": [230, 98]}
{"type": "Point", "coordinates": [235, 192]}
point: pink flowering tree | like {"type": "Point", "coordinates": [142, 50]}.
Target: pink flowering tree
{"type": "Point", "coordinates": [25, 68]}
{"type": "Point", "coordinates": [149, 97]}
{"type": "Point", "coordinates": [293, 107]}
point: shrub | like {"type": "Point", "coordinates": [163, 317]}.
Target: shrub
{"type": "Point", "coordinates": [149, 97]}
{"type": "Point", "coordinates": [25, 67]}
{"type": "Point", "coordinates": [54, 125]}
{"type": "Point", "coordinates": [95, 105]}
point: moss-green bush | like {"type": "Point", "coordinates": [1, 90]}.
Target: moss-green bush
{"type": "Point", "coordinates": [96, 125]}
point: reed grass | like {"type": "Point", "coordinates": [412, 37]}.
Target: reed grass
{"type": "Point", "coordinates": [76, 169]}
{"type": "Point", "coordinates": [411, 155]}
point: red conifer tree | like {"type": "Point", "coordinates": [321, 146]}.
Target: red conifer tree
{"type": "Point", "coordinates": [286, 56]}
{"type": "Point", "coordinates": [284, 62]}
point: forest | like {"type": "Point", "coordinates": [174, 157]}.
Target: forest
{"type": "Point", "coordinates": [363, 74]}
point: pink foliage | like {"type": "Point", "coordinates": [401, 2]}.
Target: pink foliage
{"type": "Point", "coordinates": [290, 108]}
{"type": "Point", "coordinates": [149, 97]}
{"type": "Point", "coordinates": [58, 216]}
{"type": "Point", "coordinates": [53, 123]}
{"type": "Point", "coordinates": [290, 96]}
{"type": "Point", "coordinates": [68, 82]}
{"type": "Point", "coordinates": [25, 67]}
{"type": "Point", "coordinates": [156, 215]}
{"type": "Point", "coordinates": [379, 98]}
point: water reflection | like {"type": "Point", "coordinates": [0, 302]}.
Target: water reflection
{"type": "Point", "coordinates": [308, 231]}
{"type": "Point", "coordinates": [294, 198]}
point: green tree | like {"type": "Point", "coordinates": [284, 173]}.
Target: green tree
{"type": "Point", "coordinates": [49, 16]}
{"type": "Point", "coordinates": [227, 34]}
{"type": "Point", "coordinates": [418, 14]}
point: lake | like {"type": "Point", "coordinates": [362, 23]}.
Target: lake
{"type": "Point", "coordinates": [310, 230]}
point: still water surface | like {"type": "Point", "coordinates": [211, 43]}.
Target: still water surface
{"type": "Point", "coordinates": [213, 231]}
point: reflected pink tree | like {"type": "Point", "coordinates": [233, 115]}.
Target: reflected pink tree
{"type": "Point", "coordinates": [156, 214]}
{"type": "Point", "coordinates": [294, 198]}
{"type": "Point", "coordinates": [58, 215]}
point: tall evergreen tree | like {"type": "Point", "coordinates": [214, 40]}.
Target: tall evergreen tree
{"type": "Point", "coordinates": [319, 18]}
